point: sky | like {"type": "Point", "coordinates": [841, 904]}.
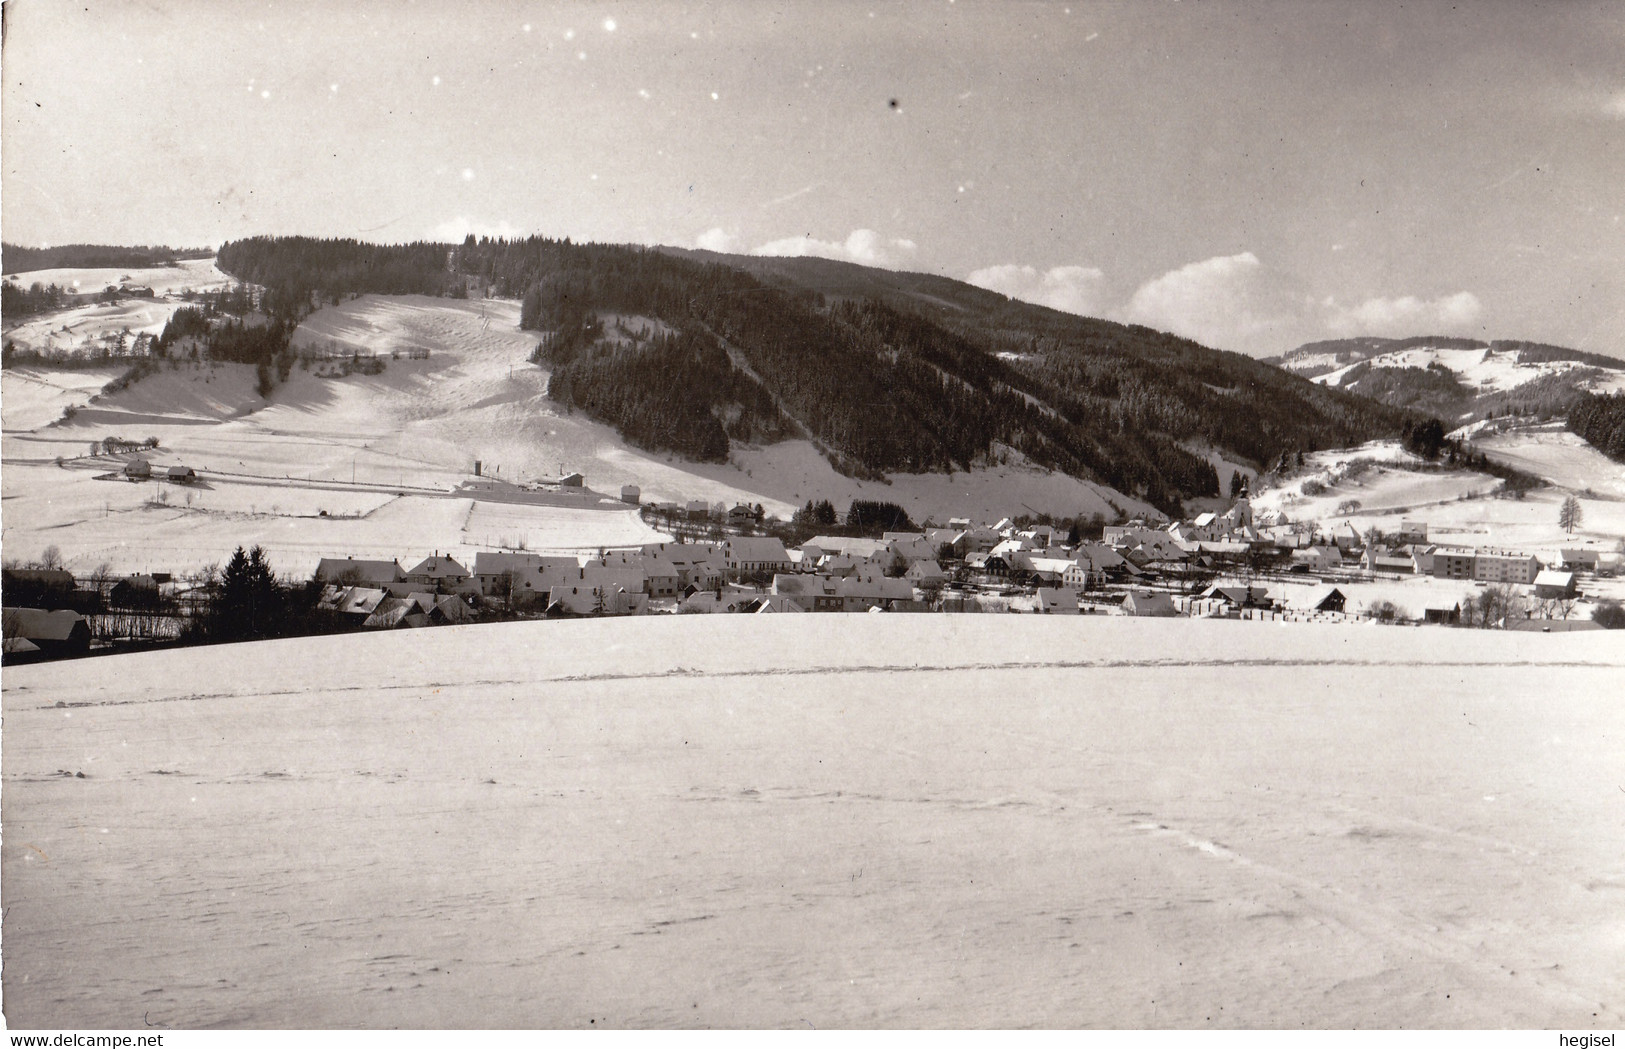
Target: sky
{"type": "Point", "coordinates": [1252, 175]}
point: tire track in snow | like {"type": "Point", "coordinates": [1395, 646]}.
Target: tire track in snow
{"type": "Point", "coordinates": [832, 669]}
{"type": "Point", "coordinates": [1388, 926]}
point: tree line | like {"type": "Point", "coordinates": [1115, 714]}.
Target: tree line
{"type": "Point", "coordinates": [1599, 420]}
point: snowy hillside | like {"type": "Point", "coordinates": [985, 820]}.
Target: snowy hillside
{"type": "Point", "coordinates": [365, 465]}
{"type": "Point", "coordinates": [835, 821]}
{"type": "Point", "coordinates": [1458, 379]}
{"type": "Point", "coordinates": [1482, 370]}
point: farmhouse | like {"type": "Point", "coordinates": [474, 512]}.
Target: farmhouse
{"type": "Point", "coordinates": [1056, 602]}
{"type": "Point", "coordinates": [138, 469]}
{"type": "Point", "coordinates": [350, 571]}
{"type": "Point", "coordinates": [1149, 603]}
{"type": "Point", "coordinates": [52, 634]}
{"type": "Point", "coordinates": [1321, 599]}
{"type": "Point", "coordinates": [181, 475]}
{"type": "Point", "coordinates": [926, 573]}
{"type": "Point", "coordinates": [443, 574]}
{"type": "Point", "coordinates": [592, 600]}
{"type": "Point", "coordinates": [1577, 559]}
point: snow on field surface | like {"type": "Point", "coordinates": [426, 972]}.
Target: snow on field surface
{"type": "Point", "coordinates": [83, 327]}
{"type": "Point", "coordinates": [832, 821]}
{"type": "Point", "coordinates": [34, 397]}
{"type": "Point", "coordinates": [194, 274]}
{"type": "Point", "coordinates": [1480, 370]}
{"type": "Point", "coordinates": [1558, 456]}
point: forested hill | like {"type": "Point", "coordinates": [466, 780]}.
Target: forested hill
{"type": "Point", "coordinates": [14, 258]}
{"type": "Point", "coordinates": [885, 372]}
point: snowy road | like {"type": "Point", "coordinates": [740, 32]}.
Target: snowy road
{"type": "Point", "coordinates": [827, 820]}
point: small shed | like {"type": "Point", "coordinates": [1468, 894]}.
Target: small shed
{"type": "Point", "coordinates": [630, 493]}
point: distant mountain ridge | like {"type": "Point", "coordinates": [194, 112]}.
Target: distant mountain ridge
{"type": "Point", "coordinates": [885, 372]}
{"type": "Point", "coordinates": [1455, 379]}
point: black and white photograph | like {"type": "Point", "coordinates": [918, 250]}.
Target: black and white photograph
{"type": "Point", "coordinates": [809, 515]}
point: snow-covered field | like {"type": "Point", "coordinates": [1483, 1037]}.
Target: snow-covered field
{"type": "Point", "coordinates": [835, 821]}
{"type": "Point", "coordinates": [32, 398]}
{"type": "Point", "coordinates": [193, 274]}
{"type": "Point", "coordinates": [1558, 456]}
{"type": "Point", "coordinates": [1480, 370]}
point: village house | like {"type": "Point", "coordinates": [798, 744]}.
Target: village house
{"type": "Point", "coordinates": [36, 633]}
{"type": "Point", "coordinates": [1576, 559]}
{"type": "Point", "coordinates": [441, 574]}
{"type": "Point", "coordinates": [1054, 601]}
{"type": "Point", "coordinates": [138, 469]}
{"type": "Point", "coordinates": [356, 603]}
{"type": "Point", "coordinates": [743, 554]}
{"type": "Point", "coordinates": [1048, 570]}
{"type": "Point", "coordinates": [1552, 584]}
{"type": "Point", "coordinates": [181, 475]}
{"type": "Point", "coordinates": [1239, 597]}
{"type": "Point", "coordinates": [949, 537]}
{"type": "Point", "coordinates": [351, 571]}
{"type": "Point", "coordinates": [1376, 560]}
{"type": "Point", "coordinates": [857, 548]}
{"type": "Point", "coordinates": [926, 574]}
{"type": "Point", "coordinates": [592, 601]}
{"type": "Point", "coordinates": [979, 539]}
{"type": "Point", "coordinates": [1347, 538]}
{"type": "Point", "coordinates": [911, 549]}
{"type": "Point", "coordinates": [1149, 603]}
{"type": "Point", "coordinates": [696, 564]}
{"type": "Point", "coordinates": [1320, 599]}
{"type": "Point", "coordinates": [630, 578]}
{"type": "Point", "coordinates": [1411, 532]}
{"type": "Point", "coordinates": [1319, 558]}
{"type": "Point", "coordinates": [660, 576]}
{"type": "Point", "coordinates": [401, 612]}
{"type": "Point", "coordinates": [522, 577]}
{"type": "Point", "coordinates": [135, 591]}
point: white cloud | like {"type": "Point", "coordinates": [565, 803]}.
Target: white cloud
{"type": "Point", "coordinates": [1075, 289]}
{"type": "Point", "coordinates": [458, 228]}
{"type": "Point", "coordinates": [1405, 315]}
{"type": "Point", "coordinates": [861, 245]}
{"type": "Point", "coordinates": [1232, 302]}
{"type": "Point", "coordinates": [717, 239]}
